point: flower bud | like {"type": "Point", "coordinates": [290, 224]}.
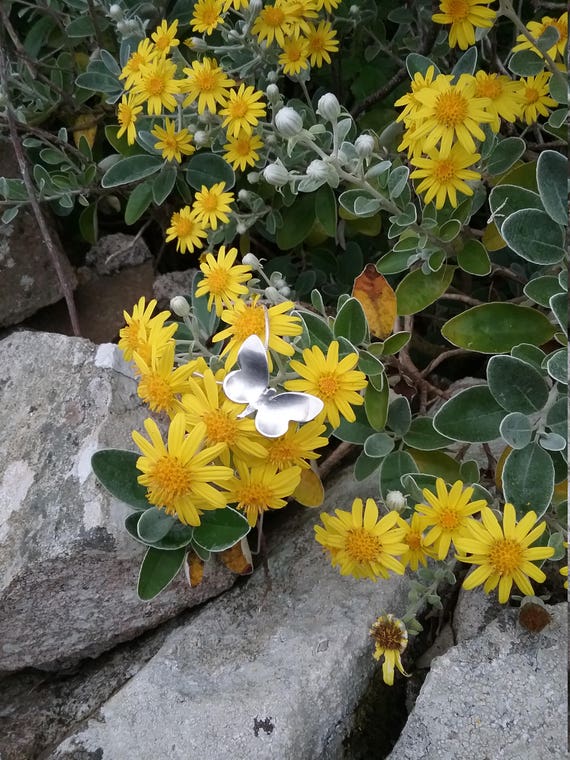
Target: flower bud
{"type": "Point", "coordinates": [252, 261]}
{"type": "Point", "coordinates": [272, 76]}
{"type": "Point", "coordinates": [288, 122]}
{"type": "Point", "coordinates": [364, 145]}
{"type": "Point", "coordinates": [272, 294]}
{"type": "Point", "coordinates": [253, 178]}
{"type": "Point", "coordinates": [124, 28]}
{"type": "Point", "coordinates": [116, 12]}
{"type": "Point", "coordinates": [241, 228]}
{"type": "Point", "coordinates": [198, 44]}
{"type": "Point", "coordinates": [272, 93]}
{"type": "Point", "coordinates": [201, 138]}
{"type": "Point", "coordinates": [276, 174]}
{"type": "Point", "coordinates": [180, 306]}
{"type": "Point", "coordinates": [285, 291]}
{"type": "Point", "coordinates": [318, 169]}
{"type": "Point", "coordinates": [396, 500]}
{"type": "Point", "coordinates": [279, 283]}
{"type": "Point", "coordinates": [354, 10]}
{"type": "Point", "coordinates": [255, 6]}
{"type": "Point", "coordinates": [328, 107]}
{"type": "Point", "coordinates": [243, 195]}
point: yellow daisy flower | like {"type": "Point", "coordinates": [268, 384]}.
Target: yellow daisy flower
{"type": "Point", "coordinates": [127, 112]}
{"type": "Point", "coordinates": [464, 16]}
{"type": "Point", "coordinates": [245, 319]}
{"type": "Point", "coordinates": [143, 55]}
{"type": "Point", "coordinates": [241, 151]}
{"type": "Point", "coordinates": [207, 16]}
{"type": "Point", "coordinates": [179, 476]}
{"type": "Point", "coordinates": [242, 110]}
{"type": "Point", "coordinates": [157, 85]}
{"type": "Point", "coordinates": [449, 514]}
{"type": "Point", "coordinates": [135, 335]}
{"type": "Point", "coordinates": [419, 82]}
{"type": "Point", "coordinates": [164, 37]}
{"type": "Point", "coordinates": [391, 639]}
{"type": "Point", "coordinates": [212, 204]}
{"type": "Point", "coordinates": [299, 13]}
{"type": "Point", "coordinates": [504, 95]}
{"type": "Point", "coordinates": [261, 487]}
{"type": "Point", "coordinates": [321, 40]}
{"type": "Point", "coordinates": [206, 403]}
{"type": "Point", "coordinates": [360, 544]}
{"type": "Point", "coordinates": [161, 385]}
{"type": "Point", "coordinates": [416, 549]}
{"type": "Point", "coordinates": [503, 553]}
{"type": "Point", "coordinates": [451, 111]}
{"type": "Point", "coordinates": [207, 82]}
{"type": "Point", "coordinates": [273, 23]}
{"type": "Point", "coordinates": [186, 230]}
{"type": "Point", "coordinates": [327, 5]}
{"type": "Point", "coordinates": [294, 57]}
{"type": "Point", "coordinates": [237, 5]}
{"type": "Point", "coordinates": [335, 382]}
{"type": "Point", "coordinates": [536, 99]}
{"type": "Point", "coordinates": [223, 279]}
{"type": "Point", "coordinates": [297, 446]}
{"type": "Point", "coordinates": [444, 176]}
{"type": "Point", "coordinates": [173, 144]}
{"type": "Point", "coordinates": [537, 29]}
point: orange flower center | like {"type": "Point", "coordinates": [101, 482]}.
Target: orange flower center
{"type": "Point", "coordinates": [256, 495]}
{"type": "Point", "coordinates": [242, 147]}
{"type": "Point", "coordinates": [448, 519]}
{"type": "Point", "coordinates": [156, 390]}
{"type": "Point", "coordinates": [451, 109]}
{"type": "Point", "coordinates": [282, 453]}
{"type": "Point", "coordinates": [489, 88]}
{"type": "Point", "coordinates": [294, 52]}
{"type": "Point", "coordinates": [317, 42]}
{"type": "Point", "coordinates": [328, 385]}
{"type": "Point", "coordinates": [206, 81]}
{"type": "Point", "coordinates": [218, 281]}
{"type": "Point", "coordinates": [209, 16]}
{"type": "Point", "coordinates": [156, 85]}
{"type": "Point", "coordinates": [184, 226]}
{"type": "Point", "coordinates": [505, 556]}
{"type": "Point", "coordinates": [459, 9]}
{"type": "Point", "coordinates": [220, 427]}
{"type": "Point", "coordinates": [251, 321]}
{"type": "Point", "coordinates": [162, 42]}
{"type": "Point", "coordinates": [209, 202]}
{"type": "Point", "coordinates": [361, 545]}
{"type": "Point", "coordinates": [171, 477]}
{"type": "Point", "coordinates": [238, 109]}
{"type": "Point", "coordinates": [531, 95]}
{"type": "Point", "coordinates": [414, 541]}
{"type": "Point", "coordinates": [444, 171]}
{"type": "Point", "coordinates": [273, 16]}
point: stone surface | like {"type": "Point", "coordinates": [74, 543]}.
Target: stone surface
{"type": "Point", "coordinates": [264, 672]}
{"type": "Point", "coordinates": [118, 251]}
{"type": "Point", "coordinates": [68, 569]}
{"type": "Point", "coordinates": [166, 286]}
{"type": "Point", "coordinates": [500, 695]}
{"type": "Point", "coordinates": [473, 612]}
{"type": "Point", "coordinates": [28, 280]}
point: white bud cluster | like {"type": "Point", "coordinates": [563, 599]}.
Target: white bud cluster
{"type": "Point", "coordinates": [395, 500]}
{"type": "Point", "coordinates": [364, 145]}
{"type": "Point", "coordinates": [276, 174]}
{"type": "Point", "coordinates": [201, 138]}
{"type": "Point", "coordinates": [328, 107]}
{"type": "Point", "coordinates": [288, 122]}
{"type": "Point", "coordinates": [180, 306]}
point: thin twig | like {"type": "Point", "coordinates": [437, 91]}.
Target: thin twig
{"type": "Point", "coordinates": [508, 273]}
{"type": "Point", "coordinates": [462, 297]}
{"type": "Point", "coordinates": [404, 360]}
{"type": "Point", "coordinates": [332, 461]}
{"type": "Point", "coordinates": [441, 358]}
{"type": "Point", "coordinates": [56, 255]}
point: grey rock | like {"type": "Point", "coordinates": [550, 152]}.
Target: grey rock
{"type": "Point", "coordinates": [112, 253]}
{"type": "Point", "coordinates": [28, 280]}
{"type": "Point", "coordinates": [166, 286]}
{"type": "Point", "coordinates": [500, 696]}
{"type": "Point", "coordinates": [68, 569]}
{"type": "Point", "coordinates": [473, 612]}
{"type": "Point", "coordinates": [264, 672]}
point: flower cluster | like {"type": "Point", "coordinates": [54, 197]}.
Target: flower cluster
{"type": "Point", "coordinates": [213, 455]}
{"type": "Point", "coordinates": [364, 545]}
{"type": "Point", "coordinates": [464, 16]}
{"type": "Point", "coordinates": [189, 226]}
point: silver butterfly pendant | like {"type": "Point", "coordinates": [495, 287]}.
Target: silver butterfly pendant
{"type": "Point", "coordinates": [249, 385]}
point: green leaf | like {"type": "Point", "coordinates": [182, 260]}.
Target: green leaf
{"type": "Point", "coordinates": [472, 416]}
{"type": "Point", "coordinates": [326, 209]}
{"type": "Point", "coordinates": [494, 328]}
{"type": "Point", "coordinates": [505, 199]}
{"type": "Point", "coordinates": [297, 222]}
{"type": "Point", "coordinates": [80, 27]}
{"type": "Point", "coordinates": [532, 235]}
{"type": "Point", "coordinates": [551, 176]}
{"type": "Point", "coordinates": [120, 144]}
{"type": "Point", "coordinates": [437, 463]}
{"type": "Point", "coordinates": [139, 200]}
{"type": "Point", "coordinates": [559, 305]}
{"type": "Point", "coordinates": [541, 289]}
{"type": "Point", "coordinates": [516, 430]}
{"type": "Point", "coordinates": [369, 364]}
{"type": "Point", "coordinates": [117, 471]}
{"type": "Point", "coordinates": [395, 261]}
{"type": "Point", "coordinates": [528, 479]}
{"type": "Point", "coordinates": [515, 385]}
{"type": "Point", "coordinates": [350, 322]}
{"type": "Point", "coordinates": [525, 63]}
{"type": "Point", "coordinates": [318, 332]}
{"type": "Point", "coordinates": [131, 169]}
{"type": "Point", "coordinates": [376, 403]}
{"type": "Point", "coordinates": [418, 290]}
{"type": "Point", "coordinates": [416, 63]}
{"type": "Point", "coordinates": [557, 366]}
{"type": "Point", "coordinates": [397, 181]}
{"type": "Point", "coordinates": [158, 569]}
{"type": "Point", "coordinates": [399, 416]}
{"type": "Point", "coordinates": [154, 525]}
{"type": "Point", "coordinates": [395, 343]}
{"type": "Point", "coordinates": [365, 466]}
{"type": "Point", "coordinates": [220, 529]}
{"type": "Point", "coordinates": [552, 442]}
{"type": "Point", "coordinates": [359, 203]}
{"type": "Point", "coordinates": [557, 417]}
{"type": "Point", "coordinates": [469, 471]}
{"type": "Point", "coordinates": [208, 169]}
{"type": "Point", "coordinates": [88, 223]}
{"type": "Point", "coordinates": [528, 354]}
{"type": "Point", "coordinates": [466, 63]}
{"type": "Point", "coordinates": [163, 184]}
{"type": "Point", "coordinates": [378, 445]}
{"type": "Point", "coordinates": [99, 82]}
{"type": "Point", "coordinates": [395, 465]}
{"type": "Point", "coordinates": [474, 259]}
{"type": "Point", "coordinates": [357, 431]}
{"type": "Point", "coordinates": [505, 154]}
{"type": "Point", "coordinates": [450, 230]}
{"type": "Point", "coordinates": [423, 436]}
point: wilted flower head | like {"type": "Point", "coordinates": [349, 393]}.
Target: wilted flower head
{"type": "Point", "coordinates": [391, 638]}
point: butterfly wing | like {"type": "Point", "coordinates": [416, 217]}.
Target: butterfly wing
{"type": "Point", "coordinates": [247, 384]}
{"type": "Point", "coordinates": [274, 413]}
